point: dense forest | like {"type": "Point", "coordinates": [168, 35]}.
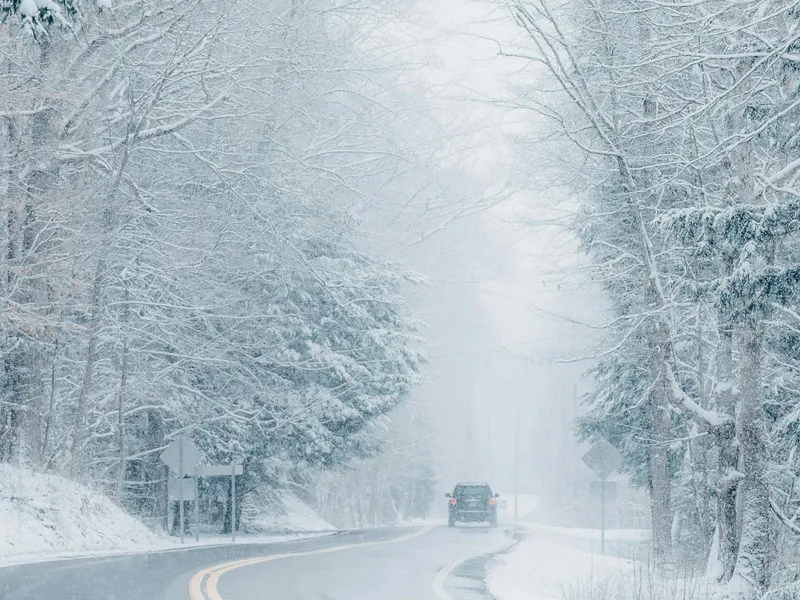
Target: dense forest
{"type": "Point", "coordinates": [184, 185]}
{"type": "Point", "coordinates": [676, 128]}
{"type": "Point", "coordinates": [190, 192]}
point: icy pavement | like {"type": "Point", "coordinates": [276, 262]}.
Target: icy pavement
{"type": "Point", "coordinates": [428, 563]}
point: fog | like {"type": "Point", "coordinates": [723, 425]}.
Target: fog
{"type": "Point", "coordinates": [508, 309]}
{"type": "Point", "coordinates": [305, 265]}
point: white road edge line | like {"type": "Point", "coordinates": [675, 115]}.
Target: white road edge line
{"type": "Point", "coordinates": [444, 573]}
{"type": "Point", "coordinates": [111, 554]}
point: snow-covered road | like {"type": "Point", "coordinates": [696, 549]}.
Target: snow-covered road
{"type": "Point", "coordinates": [428, 563]}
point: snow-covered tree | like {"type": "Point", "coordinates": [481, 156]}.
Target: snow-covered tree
{"type": "Point", "coordinates": [685, 116]}
{"type": "Point", "coordinates": [183, 188]}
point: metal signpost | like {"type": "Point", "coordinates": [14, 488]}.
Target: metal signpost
{"type": "Point", "coordinates": [182, 457]}
{"type": "Point", "coordinates": [233, 503]}
{"type": "Point", "coordinates": [196, 505]}
{"type": "Point", "coordinates": [231, 470]}
{"type": "Point", "coordinates": [603, 459]}
{"type": "Point", "coordinates": [516, 467]}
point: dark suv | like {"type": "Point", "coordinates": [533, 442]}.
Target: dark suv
{"type": "Point", "coordinates": [472, 502]}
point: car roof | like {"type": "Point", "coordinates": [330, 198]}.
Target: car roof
{"type": "Point", "coordinates": [471, 483]}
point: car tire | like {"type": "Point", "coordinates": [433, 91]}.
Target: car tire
{"type": "Point", "coordinates": [493, 522]}
{"type": "Point", "coordinates": [451, 522]}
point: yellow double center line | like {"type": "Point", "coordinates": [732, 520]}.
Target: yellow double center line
{"type": "Point", "coordinates": [203, 585]}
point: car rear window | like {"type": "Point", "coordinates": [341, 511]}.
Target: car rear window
{"type": "Point", "coordinates": [472, 491]}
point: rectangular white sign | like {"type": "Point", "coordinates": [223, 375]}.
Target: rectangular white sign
{"type": "Point", "coordinates": [218, 470]}
{"type": "Point", "coordinates": [174, 489]}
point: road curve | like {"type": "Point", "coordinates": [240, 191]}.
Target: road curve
{"type": "Point", "coordinates": [393, 564]}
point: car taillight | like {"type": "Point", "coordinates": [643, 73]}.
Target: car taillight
{"type": "Point", "coordinates": [452, 501]}
{"type": "Point", "coordinates": [492, 500]}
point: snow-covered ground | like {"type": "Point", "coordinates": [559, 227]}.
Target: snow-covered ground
{"type": "Point", "coordinates": [45, 517]}
{"type": "Point", "coordinates": [557, 563]}
{"type": "Point", "coordinates": [612, 535]}
{"type": "Point", "coordinates": [280, 513]}
{"type": "Point", "coordinates": [553, 563]}
{"type": "Point", "coordinates": [50, 515]}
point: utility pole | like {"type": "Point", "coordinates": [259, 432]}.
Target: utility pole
{"type": "Point", "coordinates": [603, 516]}
{"type": "Point", "coordinates": [488, 448]}
{"type": "Point", "coordinates": [516, 467]}
{"type": "Point", "coordinates": [470, 434]}
{"type": "Point", "coordinates": [577, 448]}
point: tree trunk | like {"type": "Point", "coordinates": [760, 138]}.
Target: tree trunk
{"type": "Point", "coordinates": [659, 477]}
{"type": "Point", "coordinates": [121, 400]}
{"type": "Point", "coordinates": [24, 425]}
{"type": "Point", "coordinates": [121, 446]}
{"type": "Point", "coordinates": [752, 574]}
{"type": "Point", "coordinates": [728, 459]}
{"type": "Point", "coordinates": [78, 434]}
{"type": "Point", "coordinates": [48, 420]}
{"type": "Point", "coordinates": [699, 447]}
{"type": "Point", "coordinates": [157, 471]}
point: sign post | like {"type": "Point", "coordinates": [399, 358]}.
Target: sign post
{"type": "Point", "coordinates": [233, 503]}
{"type": "Point", "coordinates": [182, 457]}
{"type": "Point", "coordinates": [516, 468]}
{"type": "Point", "coordinates": [603, 517]}
{"type": "Point", "coordinates": [196, 506]}
{"type": "Point", "coordinates": [180, 487]}
{"type": "Point", "coordinates": [231, 471]}
{"type": "Point", "coordinates": [603, 459]}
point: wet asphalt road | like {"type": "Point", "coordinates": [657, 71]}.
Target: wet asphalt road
{"type": "Point", "coordinates": [401, 570]}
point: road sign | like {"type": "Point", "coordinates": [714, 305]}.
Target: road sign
{"type": "Point", "coordinates": [219, 470]}
{"type": "Point", "coordinates": [604, 490]}
{"type": "Point", "coordinates": [603, 459]}
{"type": "Point", "coordinates": [186, 494]}
{"type": "Point", "coordinates": [502, 504]}
{"type": "Point", "coordinates": [231, 470]}
{"type": "Point", "coordinates": [182, 456]}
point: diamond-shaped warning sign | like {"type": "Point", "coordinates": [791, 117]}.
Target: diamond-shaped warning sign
{"type": "Point", "coordinates": [603, 459]}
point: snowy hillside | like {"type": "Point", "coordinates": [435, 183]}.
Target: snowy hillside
{"type": "Point", "coordinates": [267, 511]}
{"type": "Point", "coordinates": [47, 514]}
{"type": "Point", "coordinates": [44, 516]}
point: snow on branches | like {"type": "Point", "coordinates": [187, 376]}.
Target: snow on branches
{"type": "Point", "coordinates": [182, 251]}
{"type": "Point", "coordinates": [686, 118]}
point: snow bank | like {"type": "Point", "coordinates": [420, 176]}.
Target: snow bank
{"type": "Point", "coordinates": [50, 515]}
{"type": "Point", "coordinates": [44, 517]}
{"type": "Point", "coordinates": [269, 511]}
{"type": "Point", "coordinates": [612, 535]}
{"type": "Point", "coordinates": [556, 563]}
{"type": "Point", "coordinates": [540, 570]}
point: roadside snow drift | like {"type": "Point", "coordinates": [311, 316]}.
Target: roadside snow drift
{"type": "Point", "coordinates": [269, 511]}
{"type": "Point", "coordinates": [47, 515]}
{"type": "Point", "coordinates": [536, 569]}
